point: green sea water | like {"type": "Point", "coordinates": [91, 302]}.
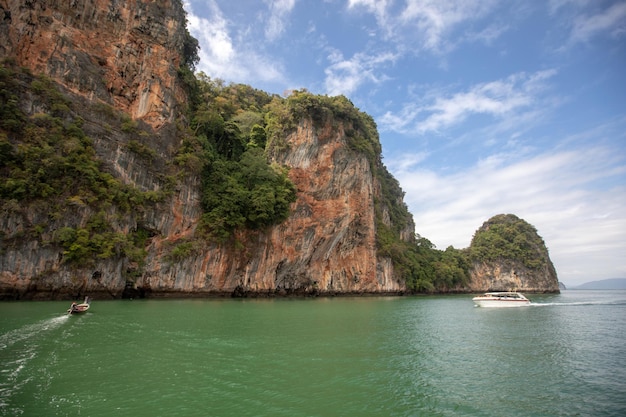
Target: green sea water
{"type": "Point", "coordinates": [565, 355]}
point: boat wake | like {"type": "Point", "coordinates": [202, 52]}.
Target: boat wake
{"type": "Point", "coordinates": [19, 347]}
{"type": "Point", "coordinates": [31, 330]}
{"type": "Point", "coordinates": [580, 303]}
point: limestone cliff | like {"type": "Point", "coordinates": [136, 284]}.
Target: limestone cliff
{"type": "Point", "coordinates": [509, 255]}
{"type": "Point", "coordinates": [327, 245]}
{"type": "Point", "coordinates": [111, 58]}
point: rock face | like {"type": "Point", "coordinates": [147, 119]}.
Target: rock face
{"type": "Point", "coordinates": [509, 255]}
{"type": "Point", "coordinates": [126, 54]}
{"type": "Point", "coordinates": [327, 245]}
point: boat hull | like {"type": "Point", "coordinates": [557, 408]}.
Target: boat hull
{"type": "Point", "coordinates": [501, 303]}
{"type": "Point", "coordinates": [78, 309]}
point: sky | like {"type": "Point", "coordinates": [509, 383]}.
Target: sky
{"type": "Point", "coordinates": [483, 107]}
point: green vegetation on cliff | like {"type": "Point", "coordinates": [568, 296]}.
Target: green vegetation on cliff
{"type": "Point", "coordinates": [50, 172]}
{"type": "Point", "coordinates": [423, 267]}
{"type": "Point", "coordinates": [247, 193]}
{"type": "Point", "coordinates": [226, 145]}
{"type": "Point", "coordinates": [284, 115]}
{"type": "Point", "coordinates": [49, 166]}
{"type": "Point", "coordinates": [507, 237]}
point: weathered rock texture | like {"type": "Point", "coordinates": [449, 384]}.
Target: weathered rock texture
{"type": "Point", "coordinates": [327, 245]}
{"type": "Point", "coordinates": [512, 276]}
{"type": "Point", "coordinates": [125, 53]}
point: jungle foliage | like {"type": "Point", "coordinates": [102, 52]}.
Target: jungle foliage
{"type": "Point", "coordinates": [226, 147]}
{"type": "Point", "coordinates": [507, 237]}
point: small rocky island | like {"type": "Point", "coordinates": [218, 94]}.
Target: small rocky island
{"type": "Point", "coordinates": [507, 254]}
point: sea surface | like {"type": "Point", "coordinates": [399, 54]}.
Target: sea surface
{"type": "Point", "coordinates": [565, 355]}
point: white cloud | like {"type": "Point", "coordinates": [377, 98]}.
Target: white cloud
{"type": "Point", "coordinates": [379, 8]}
{"type": "Point", "coordinates": [488, 34]}
{"type": "Point", "coordinates": [440, 110]}
{"type": "Point", "coordinates": [222, 57]}
{"type": "Point", "coordinates": [344, 76]}
{"type": "Point", "coordinates": [430, 24]}
{"type": "Point", "coordinates": [436, 19]}
{"type": "Point", "coordinates": [555, 6]}
{"type": "Point", "coordinates": [611, 21]}
{"type": "Point", "coordinates": [553, 191]}
{"type": "Point", "coordinates": [216, 41]}
{"type": "Point", "coordinates": [279, 10]}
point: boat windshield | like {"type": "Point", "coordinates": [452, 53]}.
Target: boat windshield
{"type": "Point", "coordinates": [503, 295]}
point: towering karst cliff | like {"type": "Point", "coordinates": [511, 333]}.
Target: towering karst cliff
{"type": "Point", "coordinates": [102, 189]}
{"type": "Point", "coordinates": [127, 55]}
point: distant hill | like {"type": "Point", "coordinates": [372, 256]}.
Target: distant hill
{"type": "Point", "coordinates": [604, 284]}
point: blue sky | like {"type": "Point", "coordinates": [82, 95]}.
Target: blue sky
{"type": "Point", "coordinates": [483, 106]}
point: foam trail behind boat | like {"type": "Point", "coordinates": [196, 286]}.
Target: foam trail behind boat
{"type": "Point", "coordinates": [30, 330]}
{"type": "Point", "coordinates": [21, 344]}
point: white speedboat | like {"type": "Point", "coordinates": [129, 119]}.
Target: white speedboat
{"type": "Point", "coordinates": [501, 299]}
